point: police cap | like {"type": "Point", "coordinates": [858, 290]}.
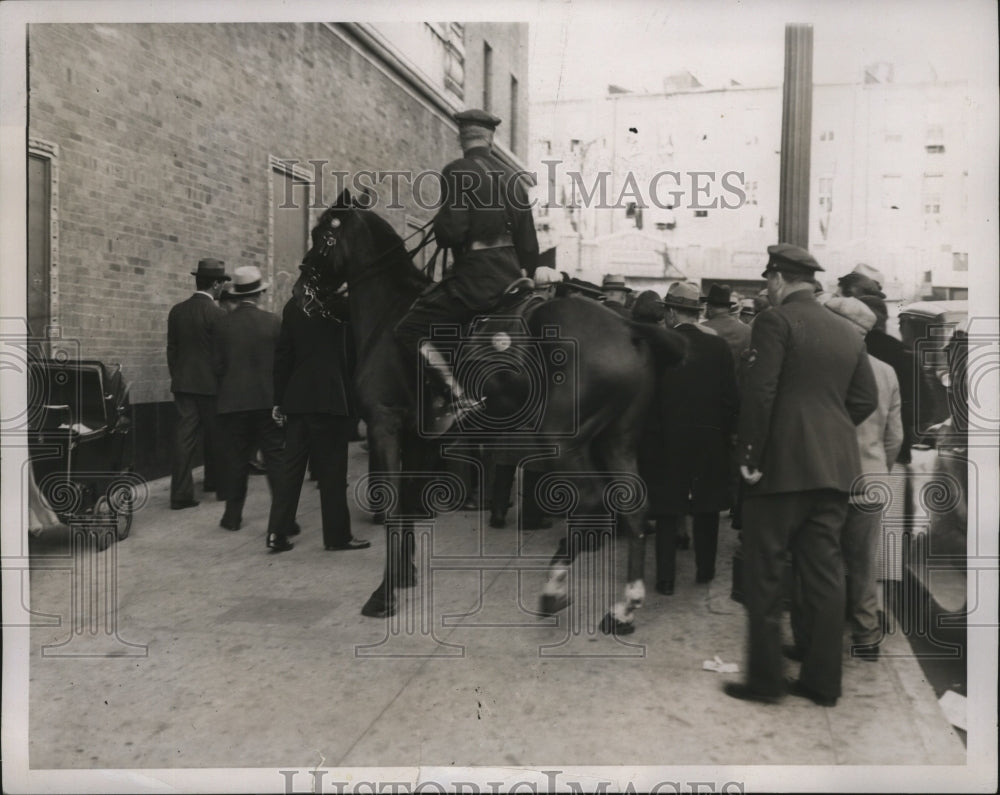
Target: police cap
{"type": "Point", "coordinates": [479, 118]}
{"type": "Point", "coordinates": [786, 258]}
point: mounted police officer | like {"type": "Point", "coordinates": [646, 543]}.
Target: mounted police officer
{"type": "Point", "coordinates": [485, 220]}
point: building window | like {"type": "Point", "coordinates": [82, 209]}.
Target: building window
{"type": "Point", "coordinates": [41, 242]}
{"type": "Point", "coordinates": [487, 77]}
{"type": "Point", "coordinates": [513, 114]}
{"type": "Point", "coordinates": [934, 143]}
{"type": "Point", "coordinates": [825, 193]}
{"type": "Point", "coordinates": [932, 192]}
{"type": "Point", "coordinates": [960, 261]}
{"type": "Point", "coordinates": [701, 213]}
{"type": "Point", "coordinates": [454, 59]}
{"type": "Point", "coordinates": [826, 135]}
{"type": "Point", "coordinates": [893, 137]}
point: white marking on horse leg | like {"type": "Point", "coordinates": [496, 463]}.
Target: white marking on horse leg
{"type": "Point", "coordinates": [557, 583]}
{"type": "Point", "coordinates": [635, 593]}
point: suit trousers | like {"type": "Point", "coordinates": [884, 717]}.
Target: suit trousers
{"type": "Point", "coordinates": [241, 433]}
{"type": "Point", "coordinates": [195, 422]}
{"type": "Point", "coordinates": [809, 524]}
{"type": "Point", "coordinates": [321, 440]}
{"type": "Point", "coordinates": [859, 543]}
{"type": "Point", "coordinates": [705, 527]}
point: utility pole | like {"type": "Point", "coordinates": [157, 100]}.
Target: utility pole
{"type": "Point", "coordinates": [796, 136]}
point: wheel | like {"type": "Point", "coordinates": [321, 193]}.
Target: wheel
{"type": "Point", "coordinates": [117, 505]}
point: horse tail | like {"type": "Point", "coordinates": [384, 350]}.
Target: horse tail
{"type": "Point", "coordinates": [669, 348]}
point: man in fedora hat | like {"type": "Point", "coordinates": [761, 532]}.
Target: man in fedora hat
{"type": "Point", "coordinates": [190, 328]}
{"type": "Point", "coordinates": [485, 220]}
{"type": "Point", "coordinates": [863, 280]}
{"type": "Point", "coordinates": [718, 308]}
{"type": "Point", "coordinates": [684, 455]}
{"type": "Point", "coordinates": [807, 384]}
{"type": "Point", "coordinates": [616, 293]}
{"type": "Point", "coordinates": [243, 360]}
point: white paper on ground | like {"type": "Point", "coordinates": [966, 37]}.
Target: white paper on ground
{"type": "Point", "coordinates": [719, 666]}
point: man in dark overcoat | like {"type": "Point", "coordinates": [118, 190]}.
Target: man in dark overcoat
{"type": "Point", "coordinates": [685, 458]}
{"type": "Point", "coordinates": [243, 359]}
{"type": "Point", "coordinates": [314, 400]}
{"type": "Point", "coordinates": [485, 220]}
{"type": "Point", "coordinates": [808, 383]}
{"type": "Point", "coordinates": [190, 326]}
{"type": "Point", "coordinates": [718, 311]}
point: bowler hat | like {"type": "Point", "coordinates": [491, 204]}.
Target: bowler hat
{"type": "Point", "coordinates": [247, 281]}
{"type": "Point", "coordinates": [683, 295]}
{"type": "Point", "coordinates": [786, 258]}
{"type": "Point", "coordinates": [720, 295]}
{"type": "Point", "coordinates": [648, 306]}
{"type": "Point", "coordinates": [212, 268]}
{"type": "Point", "coordinates": [478, 118]}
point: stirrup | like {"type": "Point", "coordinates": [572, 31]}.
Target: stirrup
{"type": "Point", "coordinates": [457, 409]}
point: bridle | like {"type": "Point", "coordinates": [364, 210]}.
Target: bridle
{"type": "Point", "coordinates": [315, 293]}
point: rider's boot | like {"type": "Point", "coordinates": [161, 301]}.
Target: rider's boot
{"type": "Point", "coordinates": [459, 405]}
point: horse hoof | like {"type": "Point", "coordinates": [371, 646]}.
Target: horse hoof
{"type": "Point", "coordinates": [549, 605]}
{"type": "Point", "coordinates": [612, 626]}
{"type": "Point", "coordinates": [376, 607]}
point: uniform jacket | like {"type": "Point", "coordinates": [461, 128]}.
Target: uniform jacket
{"type": "Point", "coordinates": [243, 355]}
{"type": "Point", "coordinates": [190, 327]}
{"type": "Point", "coordinates": [684, 450]}
{"type": "Point", "coordinates": [735, 333]}
{"type": "Point", "coordinates": [484, 200]}
{"type": "Point", "coordinates": [312, 372]}
{"type": "Point", "coordinates": [807, 384]}
{"type": "Point", "coordinates": [881, 435]}
{"type": "Point", "coordinates": [888, 349]}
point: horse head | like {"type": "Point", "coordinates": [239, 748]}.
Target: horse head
{"type": "Point", "coordinates": [339, 239]}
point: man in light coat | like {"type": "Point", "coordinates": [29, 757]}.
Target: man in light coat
{"type": "Point", "coordinates": [879, 440]}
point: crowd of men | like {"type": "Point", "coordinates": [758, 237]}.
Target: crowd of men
{"type": "Point", "coordinates": [245, 380]}
{"type": "Point", "coordinates": [778, 414]}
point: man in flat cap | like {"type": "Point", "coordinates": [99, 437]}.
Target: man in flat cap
{"type": "Point", "coordinates": [807, 384]}
{"type": "Point", "coordinates": [190, 328]}
{"type": "Point", "coordinates": [485, 220]}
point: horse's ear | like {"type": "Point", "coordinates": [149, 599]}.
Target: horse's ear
{"type": "Point", "coordinates": [344, 200]}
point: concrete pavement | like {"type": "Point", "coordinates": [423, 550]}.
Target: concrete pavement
{"type": "Point", "coordinates": [225, 656]}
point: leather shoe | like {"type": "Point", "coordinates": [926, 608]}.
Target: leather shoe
{"type": "Point", "coordinates": [746, 693]}
{"type": "Point", "coordinates": [792, 652]}
{"type": "Point", "coordinates": [230, 524]}
{"type": "Point", "coordinates": [354, 543]}
{"type": "Point", "coordinates": [180, 505]}
{"type": "Point", "coordinates": [665, 588]}
{"type": "Point", "coordinates": [796, 688]}
{"type": "Point", "coordinates": [866, 651]}
{"type": "Point", "coordinates": [278, 543]}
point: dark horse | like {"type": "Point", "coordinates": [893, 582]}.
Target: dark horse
{"type": "Point", "coordinates": [594, 417]}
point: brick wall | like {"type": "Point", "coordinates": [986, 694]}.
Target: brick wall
{"type": "Point", "coordinates": [165, 134]}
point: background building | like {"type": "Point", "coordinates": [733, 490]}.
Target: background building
{"type": "Point", "coordinates": [889, 181]}
{"type": "Point", "coordinates": [154, 145]}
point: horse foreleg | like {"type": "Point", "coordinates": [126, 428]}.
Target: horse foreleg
{"type": "Point", "coordinates": [621, 619]}
{"type": "Point", "coordinates": [555, 594]}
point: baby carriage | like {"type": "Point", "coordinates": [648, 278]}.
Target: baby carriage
{"type": "Point", "coordinates": [81, 445]}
